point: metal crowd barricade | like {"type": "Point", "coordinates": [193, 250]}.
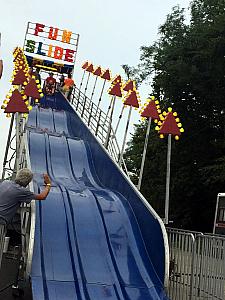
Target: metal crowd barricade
{"type": "Point", "coordinates": [181, 249]}
{"type": "Point", "coordinates": [197, 266]}
{"type": "Point", "coordinates": [208, 268]}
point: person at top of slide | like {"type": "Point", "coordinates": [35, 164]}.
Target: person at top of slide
{"type": "Point", "coordinates": [68, 86]}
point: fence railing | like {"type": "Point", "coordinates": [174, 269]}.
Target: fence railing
{"type": "Point", "coordinates": [98, 122]}
{"type": "Point", "coordinates": [197, 266]}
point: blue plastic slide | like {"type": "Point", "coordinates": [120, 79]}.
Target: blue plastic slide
{"type": "Point", "coordinates": [95, 236]}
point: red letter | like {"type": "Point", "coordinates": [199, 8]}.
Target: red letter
{"type": "Point", "coordinates": [58, 53]}
{"type": "Point", "coordinates": [69, 55]}
{"type": "Point", "coordinates": [50, 35]}
{"type": "Point", "coordinates": [38, 28]}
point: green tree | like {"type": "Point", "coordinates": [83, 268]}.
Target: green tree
{"type": "Point", "coordinates": [187, 68]}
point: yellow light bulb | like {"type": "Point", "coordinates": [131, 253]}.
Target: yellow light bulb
{"type": "Point", "coordinates": [177, 120]}
{"type": "Point", "coordinates": [3, 107]}
{"type": "Point", "coordinates": [157, 102]}
{"type": "Point", "coordinates": [157, 128]}
{"type": "Point", "coordinates": [164, 113]}
{"type": "Point", "coordinates": [175, 114]}
{"type": "Point", "coordinates": [156, 121]}
{"type": "Point", "coordinates": [170, 109]}
{"type": "Point", "coordinates": [177, 137]}
{"type": "Point", "coordinates": [161, 136]}
{"type": "Point", "coordinates": [179, 125]}
{"type": "Point", "coordinates": [182, 130]}
{"type": "Point", "coordinates": [29, 107]}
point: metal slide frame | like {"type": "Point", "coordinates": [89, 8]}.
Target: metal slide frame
{"type": "Point", "coordinates": [19, 158]}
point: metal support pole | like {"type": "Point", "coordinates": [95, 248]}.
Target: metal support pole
{"type": "Point", "coordinates": [168, 181]}
{"type": "Point", "coordinates": [125, 136]}
{"type": "Point", "coordinates": [92, 94]}
{"type": "Point", "coordinates": [84, 104]}
{"type": "Point", "coordinates": [110, 106]}
{"type": "Point", "coordinates": [17, 141]}
{"type": "Point", "coordinates": [100, 98]}
{"type": "Point", "coordinates": [25, 36]}
{"type": "Point", "coordinates": [113, 100]}
{"type": "Point", "coordinates": [90, 114]}
{"type": "Point", "coordinates": [81, 83]}
{"type": "Point", "coordinates": [144, 154]}
{"type": "Point", "coordinates": [7, 146]}
{"type": "Point", "coordinates": [118, 123]}
{"type": "Point", "coordinates": [85, 90]}
{"type": "Point", "coordinates": [82, 79]}
{"type": "Point", "coordinates": [216, 212]}
{"type": "Point", "coordinates": [99, 119]}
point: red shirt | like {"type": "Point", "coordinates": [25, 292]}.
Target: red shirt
{"type": "Point", "coordinates": [69, 82]}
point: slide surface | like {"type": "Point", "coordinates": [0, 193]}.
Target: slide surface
{"type": "Point", "coordinates": [94, 237]}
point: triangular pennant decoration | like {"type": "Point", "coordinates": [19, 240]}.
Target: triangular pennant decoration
{"type": "Point", "coordinates": [90, 68]}
{"type": "Point", "coordinates": [106, 75]}
{"type": "Point", "coordinates": [151, 110]}
{"type": "Point", "coordinates": [115, 90]}
{"type": "Point", "coordinates": [169, 124]}
{"type": "Point", "coordinates": [129, 86]}
{"type": "Point", "coordinates": [98, 71]}
{"type": "Point", "coordinates": [16, 104]}
{"type": "Point", "coordinates": [19, 78]}
{"type": "Point", "coordinates": [132, 99]}
{"type": "Point", "coordinates": [32, 90]}
{"type": "Point", "coordinates": [117, 79]}
{"type": "Point", "coordinates": [85, 65]}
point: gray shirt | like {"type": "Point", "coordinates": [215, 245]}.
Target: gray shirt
{"type": "Point", "coordinates": [11, 196]}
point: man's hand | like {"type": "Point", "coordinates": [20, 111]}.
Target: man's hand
{"type": "Point", "coordinates": [46, 190]}
{"type": "Point", "coordinates": [47, 180]}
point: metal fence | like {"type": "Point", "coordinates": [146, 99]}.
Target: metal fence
{"type": "Point", "coordinates": [197, 266]}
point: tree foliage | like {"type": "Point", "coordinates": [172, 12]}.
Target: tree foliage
{"type": "Point", "coordinates": [186, 66]}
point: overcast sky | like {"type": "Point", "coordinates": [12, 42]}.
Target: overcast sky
{"type": "Point", "coordinates": [111, 34]}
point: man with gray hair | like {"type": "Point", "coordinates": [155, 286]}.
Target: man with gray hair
{"type": "Point", "coordinates": [14, 193]}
